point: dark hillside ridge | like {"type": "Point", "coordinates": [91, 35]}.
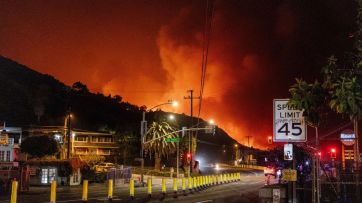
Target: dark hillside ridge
{"type": "Point", "coordinates": [32, 98]}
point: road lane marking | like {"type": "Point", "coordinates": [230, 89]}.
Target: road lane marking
{"type": "Point", "coordinates": [209, 200]}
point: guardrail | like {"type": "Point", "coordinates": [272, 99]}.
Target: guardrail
{"type": "Point", "coordinates": [188, 186]}
{"type": "Point", "coordinates": [252, 166]}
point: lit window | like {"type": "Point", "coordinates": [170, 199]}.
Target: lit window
{"type": "Point", "coordinates": [44, 175]}
{"type": "Point", "coordinates": [51, 174]}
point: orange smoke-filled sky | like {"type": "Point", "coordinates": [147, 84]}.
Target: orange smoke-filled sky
{"type": "Point", "coordinates": [151, 51]}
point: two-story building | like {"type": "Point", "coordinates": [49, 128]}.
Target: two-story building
{"type": "Point", "coordinates": [86, 143]}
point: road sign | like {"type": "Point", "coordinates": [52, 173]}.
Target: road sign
{"type": "Point", "coordinates": [289, 124]}
{"type": "Point", "coordinates": [348, 137]}
{"type": "Point", "coordinates": [288, 152]}
{"type": "Point", "coordinates": [176, 139]}
{"type": "Point", "coordinates": [289, 175]}
{"type": "Point", "coordinates": [276, 195]}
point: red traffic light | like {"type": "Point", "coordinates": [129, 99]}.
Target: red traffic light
{"type": "Point", "coordinates": [319, 153]}
{"type": "Point", "coordinates": [188, 155]}
{"type": "Point", "coordinates": [333, 150]}
{"type": "Point", "coordinates": [270, 139]}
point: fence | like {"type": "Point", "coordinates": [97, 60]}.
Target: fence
{"type": "Point", "coordinates": [120, 175]}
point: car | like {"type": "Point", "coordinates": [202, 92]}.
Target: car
{"type": "Point", "coordinates": [104, 167]}
{"type": "Point", "coordinates": [269, 170]}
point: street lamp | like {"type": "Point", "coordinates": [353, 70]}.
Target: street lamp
{"type": "Point", "coordinates": [68, 126]}
{"type": "Point", "coordinates": [144, 131]}
{"type": "Point", "coordinates": [171, 117]}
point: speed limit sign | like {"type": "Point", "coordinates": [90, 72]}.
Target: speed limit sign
{"type": "Point", "coordinates": [289, 124]}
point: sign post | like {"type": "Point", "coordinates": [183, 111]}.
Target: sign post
{"type": "Point", "coordinates": [288, 126]}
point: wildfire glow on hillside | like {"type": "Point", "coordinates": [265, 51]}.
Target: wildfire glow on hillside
{"type": "Point", "coordinates": [150, 51]}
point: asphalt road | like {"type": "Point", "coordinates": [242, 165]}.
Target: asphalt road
{"type": "Point", "coordinates": [245, 190]}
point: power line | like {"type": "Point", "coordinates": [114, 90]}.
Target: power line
{"type": "Point", "coordinates": [209, 13]}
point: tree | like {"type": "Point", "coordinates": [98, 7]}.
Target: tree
{"type": "Point", "coordinates": [80, 88]}
{"type": "Point", "coordinates": [310, 98]}
{"type": "Point", "coordinates": [39, 146]}
{"type": "Point", "coordinates": [157, 134]}
{"type": "Point", "coordinates": [126, 142]}
{"type": "Point", "coordinates": [346, 98]}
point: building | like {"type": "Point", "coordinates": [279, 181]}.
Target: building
{"type": "Point", "coordinates": [85, 143]}
{"type": "Point", "coordinates": [10, 140]}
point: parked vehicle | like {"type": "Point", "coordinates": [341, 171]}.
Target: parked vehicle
{"type": "Point", "coordinates": [104, 167]}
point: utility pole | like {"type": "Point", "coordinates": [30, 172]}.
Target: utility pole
{"type": "Point", "coordinates": [191, 98]}
{"type": "Point", "coordinates": [249, 136]}
{"type": "Point", "coordinates": [69, 123]}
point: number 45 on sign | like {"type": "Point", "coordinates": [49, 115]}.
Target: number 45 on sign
{"type": "Point", "coordinates": [289, 124]}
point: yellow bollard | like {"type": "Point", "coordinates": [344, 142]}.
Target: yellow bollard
{"type": "Point", "coordinates": [110, 189]}
{"type": "Point", "coordinates": [175, 187]}
{"type": "Point", "coordinates": [131, 188]}
{"type": "Point", "coordinates": [191, 183]}
{"type": "Point", "coordinates": [220, 178]}
{"type": "Point", "coordinates": [194, 181]}
{"type": "Point", "coordinates": [163, 187]}
{"type": "Point", "coordinates": [239, 177]}
{"type": "Point", "coordinates": [53, 191]}
{"type": "Point", "coordinates": [85, 191]}
{"type": "Point", "coordinates": [214, 180]}
{"type": "Point", "coordinates": [183, 180]}
{"type": "Point", "coordinates": [149, 187]}
{"type": "Point", "coordinates": [225, 178]}
{"type": "Point", "coordinates": [14, 191]}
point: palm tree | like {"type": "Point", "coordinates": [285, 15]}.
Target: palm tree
{"type": "Point", "coordinates": [156, 141]}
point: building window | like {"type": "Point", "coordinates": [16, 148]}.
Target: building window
{"type": "Point", "coordinates": [75, 177]}
{"type": "Point", "coordinates": [51, 174]}
{"type": "Point", "coordinates": [81, 139]}
{"type": "Point", "coordinates": [48, 175]}
{"type": "Point", "coordinates": [7, 155]}
{"type": "Point", "coordinates": [2, 155]}
{"type": "Point", "coordinates": [44, 175]}
{"type": "Point", "coordinates": [94, 139]}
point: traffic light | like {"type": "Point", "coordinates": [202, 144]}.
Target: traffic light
{"type": "Point", "coordinates": [188, 156]}
{"type": "Point", "coordinates": [333, 153]}
{"type": "Point", "coordinates": [270, 140]}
